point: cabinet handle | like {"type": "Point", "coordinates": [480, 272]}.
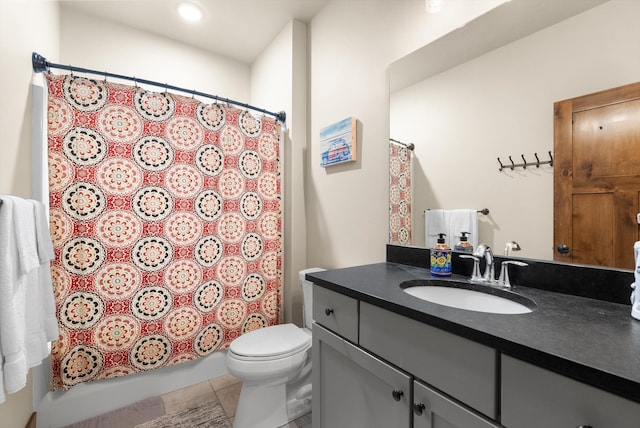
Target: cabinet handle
{"type": "Point", "coordinates": [418, 408]}
{"type": "Point", "coordinates": [328, 311]}
{"type": "Point", "coordinates": [397, 394]}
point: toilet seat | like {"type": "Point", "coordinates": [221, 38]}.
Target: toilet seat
{"type": "Point", "coordinates": [271, 343]}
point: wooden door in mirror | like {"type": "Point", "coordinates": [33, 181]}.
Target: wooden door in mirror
{"type": "Point", "coordinates": [597, 177]}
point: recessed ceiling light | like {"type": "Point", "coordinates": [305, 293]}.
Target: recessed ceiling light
{"type": "Point", "coordinates": [190, 11]}
{"type": "Point", "coordinates": [433, 6]}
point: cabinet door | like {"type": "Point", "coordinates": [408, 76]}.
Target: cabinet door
{"type": "Point", "coordinates": [353, 389]}
{"type": "Point", "coordinates": [533, 397]}
{"type": "Point", "coordinates": [434, 410]}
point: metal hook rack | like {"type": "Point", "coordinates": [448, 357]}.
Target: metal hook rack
{"type": "Point", "coordinates": [512, 165]}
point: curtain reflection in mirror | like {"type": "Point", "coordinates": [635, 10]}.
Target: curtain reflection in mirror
{"type": "Point", "coordinates": [400, 195]}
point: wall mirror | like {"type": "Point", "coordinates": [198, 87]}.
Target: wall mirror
{"type": "Point", "coordinates": [486, 91]}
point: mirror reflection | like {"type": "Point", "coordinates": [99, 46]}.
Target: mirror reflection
{"type": "Point", "coordinates": [495, 100]}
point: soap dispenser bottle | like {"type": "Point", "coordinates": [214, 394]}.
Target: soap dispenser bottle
{"type": "Point", "coordinates": [441, 258]}
{"type": "Point", "coordinates": [464, 246]}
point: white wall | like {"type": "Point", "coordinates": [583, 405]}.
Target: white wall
{"type": "Point", "coordinates": [501, 104]}
{"type": "Point", "coordinates": [279, 82]}
{"type": "Point", "coordinates": [25, 26]}
{"type": "Point", "coordinates": [98, 44]}
{"type": "Point", "coordinates": [351, 46]}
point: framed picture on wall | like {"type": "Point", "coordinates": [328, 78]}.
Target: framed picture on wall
{"type": "Point", "coordinates": [338, 142]}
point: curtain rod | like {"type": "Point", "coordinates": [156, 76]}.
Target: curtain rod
{"type": "Point", "coordinates": [409, 146]}
{"type": "Point", "coordinates": [41, 64]}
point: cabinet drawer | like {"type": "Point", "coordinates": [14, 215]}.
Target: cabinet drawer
{"type": "Point", "coordinates": [336, 312]}
{"type": "Point", "coordinates": [533, 397]}
{"type": "Point", "coordinates": [459, 367]}
{"type": "Point", "coordinates": [441, 411]}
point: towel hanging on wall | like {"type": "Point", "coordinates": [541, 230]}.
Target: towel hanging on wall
{"type": "Point", "coordinates": [452, 223]}
{"type": "Point", "coordinates": [27, 304]}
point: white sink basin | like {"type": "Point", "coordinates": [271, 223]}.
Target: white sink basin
{"type": "Point", "coordinates": [471, 300]}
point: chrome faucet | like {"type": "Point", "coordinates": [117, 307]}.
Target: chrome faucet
{"type": "Point", "coordinates": [511, 246]}
{"type": "Point", "coordinates": [484, 250]}
{"type": "Point", "coordinates": [504, 280]}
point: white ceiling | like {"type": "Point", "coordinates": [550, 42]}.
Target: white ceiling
{"type": "Point", "coordinates": [238, 29]}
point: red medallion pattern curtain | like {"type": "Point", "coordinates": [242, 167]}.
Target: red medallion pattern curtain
{"type": "Point", "coordinates": [400, 173]}
{"type": "Point", "coordinates": [165, 214]}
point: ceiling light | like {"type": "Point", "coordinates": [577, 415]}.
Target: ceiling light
{"type": "Point", "coordinates": [190, 11]}
{"type": "Point", "coordinates": [433, 6]}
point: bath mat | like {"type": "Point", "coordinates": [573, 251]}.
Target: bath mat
{"type": "Point", "coordinates": [129, 416]}
{"type": "Point", "coordinates": [208, 414]}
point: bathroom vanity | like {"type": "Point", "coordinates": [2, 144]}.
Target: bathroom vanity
{"type": "Point", "coordinates": [383, 358]}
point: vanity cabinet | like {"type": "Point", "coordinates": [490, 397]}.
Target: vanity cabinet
{"type": "Point", "coordinates": [533, 397]}
{"type": "Point", "coordinates": [375, 368]}
{"type": "Point", "coordinates": [368, 379]}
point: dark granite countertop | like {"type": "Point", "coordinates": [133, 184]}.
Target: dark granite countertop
{"type": "Point", "coordinates": [592, 341]}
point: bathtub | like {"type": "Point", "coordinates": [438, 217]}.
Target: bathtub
{"type": "Point", "coordinates": [60, 408]}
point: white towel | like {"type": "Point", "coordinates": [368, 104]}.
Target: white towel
{"type": "Point", "coordinates": [41, 325]}
{"type": "Point", "coordinates": [25, 230]}
{"type": "Point", "coordinates": [12, 296]}
{"type": "Point", "coordinates": [46, 254]}
{"type": "Point", "coordinates": [27, 303]}
{"type": "Point", "coordinates": [464, 220]}
{"type": "Point", "coordinates": [435, 223]}
{"type": "Point", "coordinates": [452, 223]}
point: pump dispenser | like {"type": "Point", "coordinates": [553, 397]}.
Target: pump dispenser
{"type": "Point", "coordinates": [464, 246]}
{"type": "Point", "coordinates": [441, 258]}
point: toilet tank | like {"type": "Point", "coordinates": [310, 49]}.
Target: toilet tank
{"type": "Point", "coordinates": [307, 295]}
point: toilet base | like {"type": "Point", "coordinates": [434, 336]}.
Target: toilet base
{"type": "Point", "coordinates": [263, 406]}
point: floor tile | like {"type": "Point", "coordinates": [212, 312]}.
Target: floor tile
{"type": "Point", "coordinates": [187, 397]}
{"type": "Point", "coordinates": [224, 381]}
{"type": "Point", "coordinates": [229, 397]}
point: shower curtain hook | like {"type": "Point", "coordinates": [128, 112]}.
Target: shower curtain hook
{"type": "Point", "coordinates": [537, 160]}
{"type": "Point", "coordinates": [166, 87]}
{"type": "Point", "coordinates": [135, 82]}
{"type": "Point", "coordinates": [525, 162]}
{"type": "Point", "coordinates": [193, 94]}
{"type": "Point", "coordinates": [105, 76]}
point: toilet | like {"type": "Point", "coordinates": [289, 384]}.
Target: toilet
{"type": "Point", "coordinates": [274, 364]}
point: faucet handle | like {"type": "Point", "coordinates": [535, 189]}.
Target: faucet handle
{"type": "Point", "coordinates": [504, 271]}
{"type": "Point", "coordinates": [475, 275]}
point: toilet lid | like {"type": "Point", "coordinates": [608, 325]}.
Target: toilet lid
{"type": "Point", "coordinates": [277, 340]}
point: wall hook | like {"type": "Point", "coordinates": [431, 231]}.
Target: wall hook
{"type": "Point", "coordinates": [524, 163]}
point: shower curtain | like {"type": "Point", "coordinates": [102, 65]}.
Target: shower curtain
{"type": "Point", "coordinates": [400, 173]}
{"type": "Point", "coordinates": [165, 214]}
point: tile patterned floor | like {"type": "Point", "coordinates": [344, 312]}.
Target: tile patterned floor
{"type": "Point", "coordinates": [226, 389]}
